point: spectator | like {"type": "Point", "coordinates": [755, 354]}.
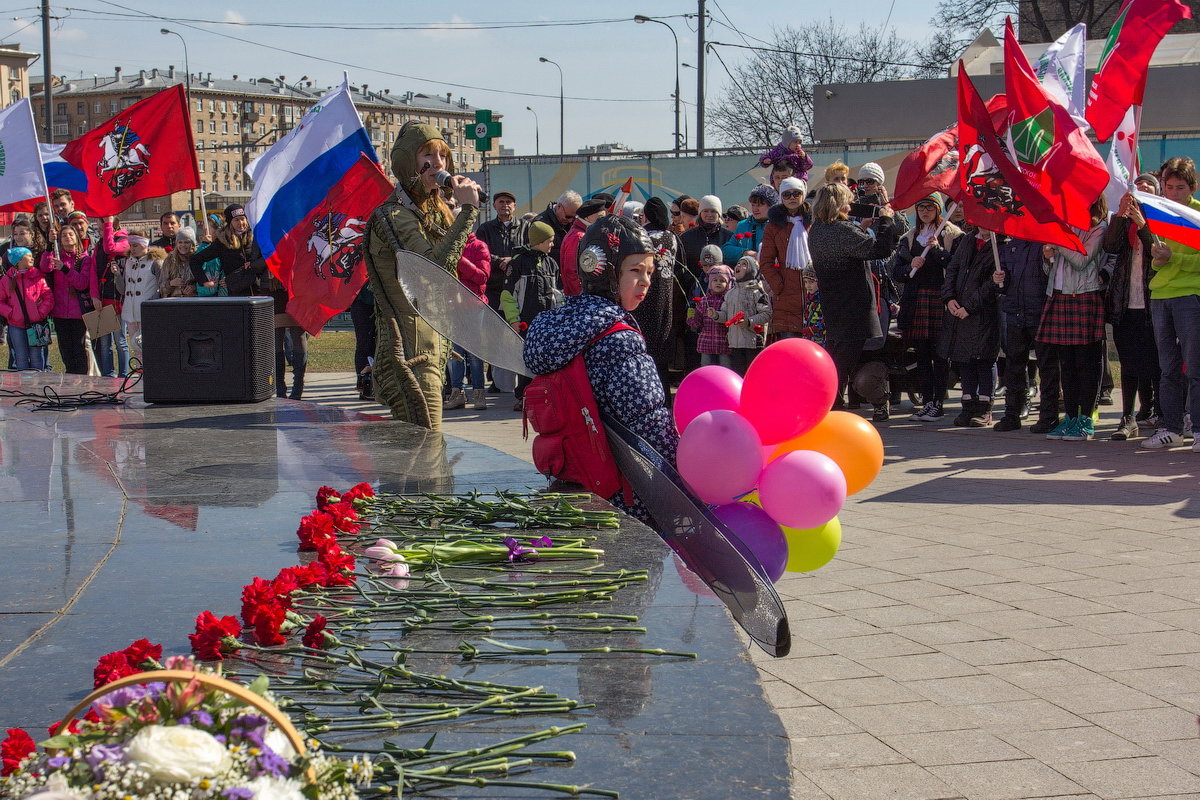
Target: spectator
{"type": "Point", "coordinates": [840, 250]}
{"type": "Point", "coordinates": [678, 225]}
{"type": "Point", "coordinates": [43, 227]}
{"type": "Point", "coordinates": [689, 213]}
{"type": "Point", "coordinates": [79, 221]}
{"type": "Point", "coordinates": [62, 203]}
{"type": "Point", "coordinates": [920, 266]}
{"type": "Point", "coordinates": [971, 333]}
{"type": "Point", "coordinates": [707, 231]}
{"type": "Point", "coordinates": [72, 278]}
{"type": "Point", "coordinates": [110, 258]}
{"type": "Point", "coordinates": [1126, 308]}
{"type": "Point", "coordinates": [214, 278]}
{"type": "Point", "coordinates": [748, 235]}
{"type": "Point", "coordinates": [656, 315]}
{"type": "Point", "coordinates": [781, 171]}
{"type": "Point", "coordinates": [25, 304]}
{"type": "Point", "coordinates": [1175, 311]}
{"type": "Point", "coordinates": [589, 211]}
{"type": "Point", "coordinates": [837, 172]}
{"type": "Point", "coordinates": [473, 268]}
{"type": "Point", "coordinates": [168, 226]}
{"type": "Point", "coordinates": [633, 210]}
{"type": "Point", "coordinates": [137, 281]}
{"type": "Point", "coordinates": [733, 217]}
{"type": "Point", "coordinates": [1073, 324]}
{"type": "Point", "coordinates": [502, 236]}
{"type": "Point", "coordinates": [534, 284]}
{"type": "Point", "coordinates": [238, 254]}
{"type": "Point", "coordinates": [559, 215]}
{"type": "Point", "coordinates": [747, 297]}
{"type": "Point", "coordinates": [176, 279]}
{"type": "Point", "coordinates": [362, 314]}
{"type": "Point", "coordinates": [785, 257]}
{"type": "Point", "coordinates": [712, 342]}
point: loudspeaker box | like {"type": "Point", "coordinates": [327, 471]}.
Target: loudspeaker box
{"type": "Point", "coordinates": [208, 349]}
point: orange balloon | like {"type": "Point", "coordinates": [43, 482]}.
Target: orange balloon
{"type": "Point", "coordinates": [851, 441]}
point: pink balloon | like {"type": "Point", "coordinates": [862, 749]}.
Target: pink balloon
{"type": "Point", "coordinates": [755, 528]}
{"type": "Point", "coordinates": [802, 489]}
{"type": "Point", "coordinates": [706, 389]}
{"type": "Point", "coordinates": [719, 456]}
{"type": "Point", "coordinates": [788, 389]}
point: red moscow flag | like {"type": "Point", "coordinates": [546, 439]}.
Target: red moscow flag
{"type": "Point", "coordinates": [993, 191]}
{"type": "Point", "coordinates": [144, 151]}
{"type": "Point", "coordinates": [1049, 147]}
{"type": "Point", "coordinates": [320, 261]}
{"type": "Point", "coordinates": [1120, 79]}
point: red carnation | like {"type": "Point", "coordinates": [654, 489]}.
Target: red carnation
{"type": "Point", "coordinates": [259, 592]}
{"type": "Point", "coordinates": [110, 667]}
{"type": "Point", "coordinates": [326, 495]}
{"type": "Point", "coordinates": [345, 517]}
{"type": "Point", "coordinates": [285, 584]}
{"type": "Point", "coordinates": [16, 747]}
{"type": "Point", "coordinates": [315, 635]}
{"type": "Point", "coordinates": [215, 638]}
{"type": "Point", "coordinates": [142, 651]}
{"type": "Point", "coordinates": [358, 491]}
{"type": "Point", "coordinates": [317, 527]}
{"type": "Point", "coordinates": [267, 619]}
{"type": "Point", "coordinates": [302, 575]}
{"type": "Point", "coordinates": [336, 559]}
{"type": "Point", "coordinates": [330, 577]}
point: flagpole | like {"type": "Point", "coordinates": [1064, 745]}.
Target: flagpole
{"type": "Point", "coordinates": [45, 186]}
{"type": "Point", "coordinates": [995, 250]}
{"type": "Point", "coordinates": [938, 232]}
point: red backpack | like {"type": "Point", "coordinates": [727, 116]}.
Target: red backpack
{"type": "Point", "coordinates": [571, 444]}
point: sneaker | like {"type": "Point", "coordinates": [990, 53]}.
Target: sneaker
{"type": "Point", "coordinates": [923, 413]}
{"type": "Point", "coordinates": [1007, 424]}
{"type": "Point", "coordinates": [1062, 429]}
{"type": "Point", "coordinates": [1106, 398]}
{"type": "Point", "coordinates": [1084, 429]}
{"type": "Point", "coordinates": [964, 416]}
{"type": "Point", "coordinates": [1127, 429]}
{"type": "Point", "coordinates": [1044, 425]}
{"type": "Point", "coordinates": [982, 417]}
{"type": "Point", "coordinates": [1196, 446]}
{"type": "Point", "coordinates": [881, 413]}
{"type": "Point", "coordinates": [457, 399]}
{"type": "Point", "coordinates": [935, 410]}
{"type": "Point", "coordinates": [1162, 439]}
{"type": "Point", "coordinates": [479, 400]}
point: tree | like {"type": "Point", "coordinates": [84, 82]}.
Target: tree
{"type": "Point", "coordinates": [774, 88]}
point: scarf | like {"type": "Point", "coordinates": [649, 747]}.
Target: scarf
{"type": "Point", "coordinates": [798, 256]}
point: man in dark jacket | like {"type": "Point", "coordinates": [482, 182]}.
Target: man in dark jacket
{"type": "Point", "coordinates": [1023, 296]}
{"type": "Point", "coordinates": [168, 225]}
{"type": "Point", "coordinates": [559, 215]}
{"type": "Point", "coordinates": [503, 235]}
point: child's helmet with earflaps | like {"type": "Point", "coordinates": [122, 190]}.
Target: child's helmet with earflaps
{"type": "Point", "coordinates": [605, 244]}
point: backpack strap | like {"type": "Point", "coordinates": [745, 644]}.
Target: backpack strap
{"type": "Point", "coordinates": [614, 328]}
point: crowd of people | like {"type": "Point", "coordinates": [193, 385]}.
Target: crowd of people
{"type": "Point", "coordinates": [60, 266]}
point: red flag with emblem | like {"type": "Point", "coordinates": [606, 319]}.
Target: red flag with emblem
{"type": "Point", "coordinates": [320, 261]}
{"type": "Point", "coordinates": [144, 151]}
{"type": "Point", "coordinates": [993, 190]}
{"type": "Point", "coordinates": [1047, 144]}
{"type": "Point", "coordinates": [1120, 79]}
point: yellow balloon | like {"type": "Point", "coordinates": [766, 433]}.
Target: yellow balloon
{"type": "Point", "coordinates": [809, 549]}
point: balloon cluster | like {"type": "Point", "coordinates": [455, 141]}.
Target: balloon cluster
{"type": "Point", "coordinates": [771, 457]}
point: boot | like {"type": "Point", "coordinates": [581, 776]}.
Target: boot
{"type": "Point", "coordinates": [479, 401]}
{"type": "Point", "coordinates": [298, 371]}
{"type": "Point", "coordinates": [366, 387]}
{"type": "Point", "coordinates": [981, 414]}
{"type": "Point", "coordinates": [457, 399]}
{"type": "Point", "coordinates": [964, 416]}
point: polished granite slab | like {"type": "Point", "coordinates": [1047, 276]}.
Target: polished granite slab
{"type": "Point", "coordinates": [118, 522]}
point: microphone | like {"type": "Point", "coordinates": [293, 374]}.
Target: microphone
{"type": "Point", "coordinates": [442, 178]}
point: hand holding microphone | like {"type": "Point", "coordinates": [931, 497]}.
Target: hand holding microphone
{"type": "Point", "coordinates": [465, 190]}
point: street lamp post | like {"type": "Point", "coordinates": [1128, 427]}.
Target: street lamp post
{"type": "Point", "coordinates": [562, 122]}
{"type": "Point", "coordinates": [537, 135]}
{"type": "Point", "coordinates": [642, 18]}
{"type": "Point", "coordinates": [187, 91]}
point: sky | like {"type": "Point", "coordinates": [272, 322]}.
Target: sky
{"type": "Point", "coordinates": [618, 77]}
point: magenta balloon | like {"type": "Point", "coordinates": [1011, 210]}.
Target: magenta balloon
{"type": "Point", "coordinates": [802, 489]}
{"type": "Point", "coordinates": [719, 456]}
{"type": "Point", "coordinates": [788, 389]}
{"type": "Point", "coordinates": [755, 528]}
{"type": "Point", "coordinates": [706, 389]}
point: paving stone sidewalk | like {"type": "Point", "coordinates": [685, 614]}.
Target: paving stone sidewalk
{"type": "Point", "coordinates": [1008, 617]}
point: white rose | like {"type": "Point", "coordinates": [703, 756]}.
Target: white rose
{"type": "Point", "coordinates": [279, 743]}
{"type": "Point", "coordinates": [56, 788]}
{"type": "Point", "coordinates": [177, 753]}
{"type": "Point", "coordinates": [267, 788]}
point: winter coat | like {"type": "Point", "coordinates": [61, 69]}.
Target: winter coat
{"type": "Point", "coordinates": [1116, 243]}
{"type": "Point", "coordinates": [932, 275]}
{"type": "Point", "coordinates": [502, 241]}
{"type": "Point", "coordinates": [569, 263]}
{"type": "Point", "coordinates": [475, 265]}
{"type": "Point", "coordinates": [29, 286]}
{"type": "Point", "coordinates": [789, 310]}
{"type": "Point", "coordinates": [750, 298]}
{"type": "Point", "coordinates": [1078, 273]}
{"type": "Point", "coordinates": [176, 266]}
{"type": "Point", "coordinates": [747, 236]}
{"type": "Point", "coordinates": [114, 244]}
{"type": "Point", "coordinates": [622, 374]}
{"type": "Point", "coordinates": [694, 240]}
{"type": "Point", "coordinates": [242, 266]}
{"type": "Point", "coordinates": [533, 285]}
{"type": "Point", "coordinates": [969, 281]}
{"type": "Point", "coordinates": [137, 281]}
{"type": "Point", "coordinates": [1180, 276]}
{"type": "Point", "coordinates": [560, 231]}
{"type": "Point", "coordinates": [1024, 290]}
{"type": "Point", "coordinates": [70, 288]}
{"type": "Point", "coordinates": [656, 314]}
{"type": "Point", "coordinates": [840, 252]}
{"type": "Point", "coordinates": [714, 339]}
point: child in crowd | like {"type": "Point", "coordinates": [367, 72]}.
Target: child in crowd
{"type": "Point", "coordinates": [813, 315]}
{"type": "Point", "coordinates": [72, 278]}
{"type": "Point", "coordinates": [176, 278]}
{"type": "Point", "coordinates": [970, 337]}
{"type": "Point", "coordinates": [713, 342]}
{"type": "Point", "coordinates": [137, 281]}
{"type": "Point", "coordinates": [474, 267]}
{"type": "Point", "coordinates": [534, 284]}
{"type": "Point", "coordinates": [214, 283]}
{"type": "Point", "coordinates": [745, 313]}
{"type": "Point", "coordinates": [25, 303]}
{"type": "Point", "coordinates": [790, 150]}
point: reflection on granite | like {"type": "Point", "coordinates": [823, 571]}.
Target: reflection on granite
{"type": "Point", "coordinates": [126, 521]}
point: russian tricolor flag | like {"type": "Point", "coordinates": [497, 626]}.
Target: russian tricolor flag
{"type": "Point", "coordinates": [1171, 220]}
{"type": "Point", "coordinates": [59, 175]}
{"type": "Point", "coordinates": [296, 173]}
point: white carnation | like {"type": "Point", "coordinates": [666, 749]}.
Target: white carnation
{"type": "Point", "coordinates": [267, 788]}
{"type": "Point", "coordinates": [56, 788]}
{"type": "Point", "coordinates": [177, 753]}
{"type": "Point", "coordinates": [277, 741]}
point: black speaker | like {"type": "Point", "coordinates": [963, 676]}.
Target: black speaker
{"type": "Point", "coordinates": [208, 349]}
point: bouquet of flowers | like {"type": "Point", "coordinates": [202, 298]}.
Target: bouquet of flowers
{"type": "Point", "coordinates": [177, 734]}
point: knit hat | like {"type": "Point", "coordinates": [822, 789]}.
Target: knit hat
{"type": "Point", "coordinates": [751, 265]}
{"type": "Point", "coordinates": [736, 213]}
{"type": "Point", "coordinates": [793, 184]}
{"type": "Point", "coordinates": [605, 244]}
{"type": "Point", "coordinates": [657, 217]}
{"type": "Point", "coordinates": [1150, 178]}
{"type": "Point", "coordinates": [540, 232]}
{"type": "Point", "coordinates": [593, 205]}
{"type": "Point", "coordinates": [871, 170]}
{"type": "Point", "coordinates": [710, 255]}
{"type": "Point", "coordinates": [185, 235]}
{"type": "Point", "coordinates": [791, 134]}
{"type": "Point", "coordinates": [679, 200]}
{"type": "Point", "coordinates": [765, 193]}
{"type": "Point", "coordinates": [142, 240]}
{"type": "Point", "coordinates": [934, 199]}
{"type": "Point", "coordinates": [632, 208]}
{"type": "Point", "coordinates": [75, 215]}
{"type": "Point", "coordinates": [721, 269]}
{"type": "Point", "coordinates": [15, 254]}
{"type": "Point", "coordinates": [234, 210]}
{"type": "Point", "coordinates": [711, 201]}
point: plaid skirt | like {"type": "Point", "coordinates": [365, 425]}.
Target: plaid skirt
{"type": "Point", "coordinates": [928, 314]}
{"type": "Point", "coordinates": [1072, 319]}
